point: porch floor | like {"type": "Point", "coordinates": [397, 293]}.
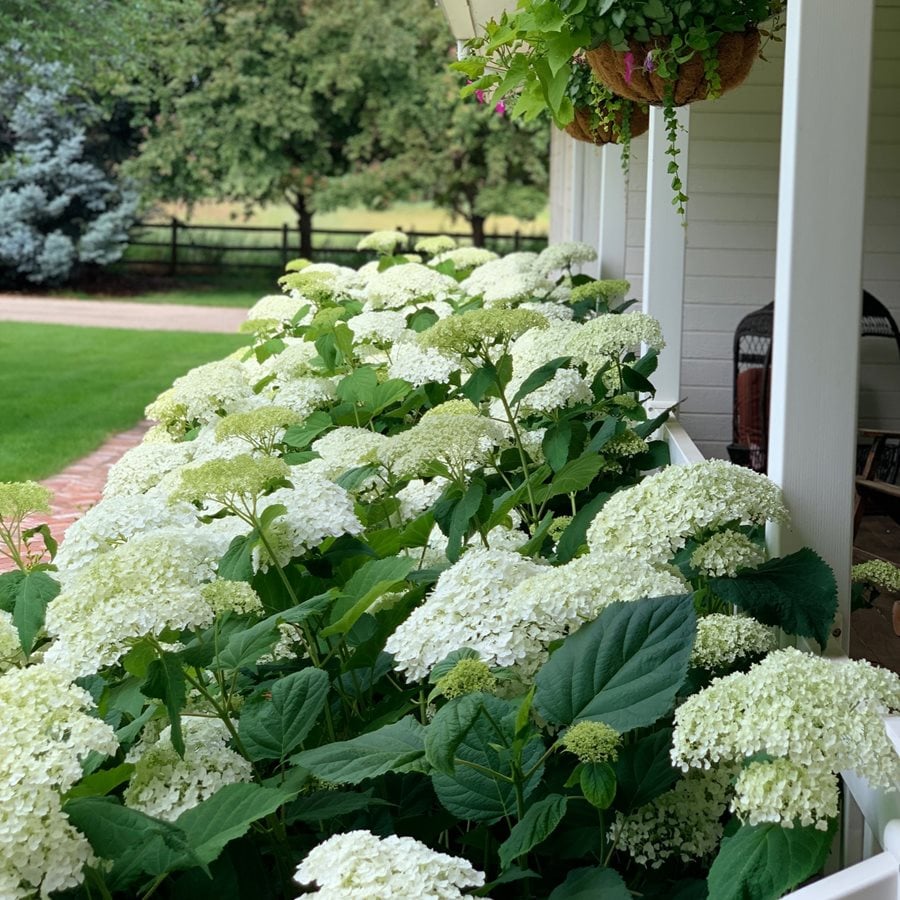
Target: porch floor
{"type": "Point", "coordinates": [872, 631]}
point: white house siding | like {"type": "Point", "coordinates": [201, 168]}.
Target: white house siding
{"type": "Point", "coordinates": [730, 267]}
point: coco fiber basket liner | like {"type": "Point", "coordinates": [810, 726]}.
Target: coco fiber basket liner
{"type": "Point", "coordinates": [736, 54]}
{"type": "Point", "coordinates": [580, 127]}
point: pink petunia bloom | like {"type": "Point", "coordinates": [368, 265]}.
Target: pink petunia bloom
{"type": "Point", "coordinates": [628, 59]}
{"type": "Point", "coordinates": [479, 96]}
{"type": "Point", "coordinates": [500, 108]}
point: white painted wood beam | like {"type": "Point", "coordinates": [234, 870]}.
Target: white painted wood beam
{"type": "Point", "coordinates": [665, 241]}
{"type": "Point", "coordinates": [613, 214]}
{"type": "Point", "coordinates": [812, 434]}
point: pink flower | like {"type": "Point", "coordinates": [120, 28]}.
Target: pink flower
{"type": "Point", "coordinates": [479, 96]}
{"type": "Point", "coordinates": [628, 59]}
{"type": "Point", "coordinates": [500, 108]}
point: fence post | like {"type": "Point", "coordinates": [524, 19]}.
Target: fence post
{"type": "Point", "coordinates": [284, 245]}
{"type": "Point", "coordinates": [173, 247]}
{"type": "Point", "coordinates": [517, 240]}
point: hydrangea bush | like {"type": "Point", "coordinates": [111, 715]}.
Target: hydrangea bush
{"type": "Point", "coordinates": [405, 601]}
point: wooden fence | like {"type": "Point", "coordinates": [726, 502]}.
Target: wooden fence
{"type": "Point", "coordinates": [175, 246]}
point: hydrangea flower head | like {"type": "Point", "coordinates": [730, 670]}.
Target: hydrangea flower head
{"type": "Point", "coordinates": [411, 284]}
{"type": "Point", "coordinates": [468, 676]}
{"type": "Point", "coordinates": [357, 865]}
{"type": "Point", "coordinates": [261, 428]}
{"type": "Point", "coordinates": [19, 499]}
{"type": "Point", "coordinates": [722, 640]}
{"type": "Point", "coordinates": [592, 742]}
{"type": "Point", "coordinates": [655, 518]}
{"type": "Point", "coordinates": [563, 256]}
{"type": "Point", "coordinates": [229, 481]}
{"type": "Point", "coordinates": [435, 245]}
{"type": "Point", "coordinates": [384, 242]}
{"type": "Point", "coordinates": [480, 328]}
{"type": "Point", "coordinates": [878, 572]}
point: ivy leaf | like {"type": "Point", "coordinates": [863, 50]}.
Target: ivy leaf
{"type": "Point", "coordinates": [797, 593]}
{"type": "Point", "coordinates": [533, 828]}
{"type": "Point", "coordinates": [624, 668]}
{"type": "Point", "coordinates": [399, 747]}
{"type": "Point", "coordinates": [273, 723]}
{"type": "Point", "coordinates": [763, 862]}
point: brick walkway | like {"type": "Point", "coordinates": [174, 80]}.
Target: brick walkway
{"type": "Point", "coordinates": [79, 486]}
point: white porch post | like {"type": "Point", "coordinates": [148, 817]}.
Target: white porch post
{"type": "Point", "coordinates": [589, 169]}
{"type": "Point", "coordinates": [562, 187]}
{"type": "Point", "coordinates": [665, 241]}
{"type": "Point", "coordinates": [812, 435]}
{"type": "Point", "coordinates": [613, 236]}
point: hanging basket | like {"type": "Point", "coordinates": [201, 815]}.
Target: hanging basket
{"type": "Point", "coordinates": [736, 53]}
{"type": "Point", "coordinates": [581, 129]}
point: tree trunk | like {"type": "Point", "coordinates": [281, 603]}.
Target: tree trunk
{"type": "Point", "coordinates": [300, 206]}
{"type": "Point", "coordinates": [304, 223]}
{"type": "Point", "coordinates": [477, 223]}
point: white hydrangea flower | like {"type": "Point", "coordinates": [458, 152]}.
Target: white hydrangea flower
{"type": "Point", "coordinates": [783, 792]}
{"type": "Point", "coordinates": [149, 584]}
{"type": "Point", "coordinates": [406, 285]}
{"type": "Point", "coordinates": [142, 467]}
{"type": "Point", "coordinates": [683, 823]}
{"type": "Point", "coordinates": [294, 361]}
{"type": "Point", "coordinates": [417, 496]}
{"type": "Point", "coordinates": [722, 640]}
{"type": "Point", "coordinates": [280, 309]}
{"type": "Point", "coordinates": [466, 608]}
{"type": "Point", "coordinates": [494, 272]}
{"type": "Point", "coordinates": [378, 326]}
{"type": "Point", "coordinates": [435, 244]}
{"type": "Point", "coordinates": [10, 646]}
{"type": "Point", "coordinates": [357, 865]}
{"type": "Point", "coordinates": [316, 509]}
{"type": "Point", "coordinates": [199, 395]}
{"type": "Point", "coordinates": [465, 257]}
{"type": "Point", "coordinates": [421, 365]}
{"type": "Point", "coordinates": [225, 596]}
{"type": "Point", "coordinates": [454, 433]}
{"type": "Point", "coordinates": [304, 395]}
{"type": "Point", "coordinates": [515, 288]}
{"type": "Point", "coordinates": [563, 256]}
{"type": "Point", "coordinates": [726, 553]}
{"type": "Point", "coordinates": [386, 242]}
{"type": "Point", "coordinates": [114, 521]}
{"type": "Point", "coordinates": [164, 784]}
{"type": "Point", "coordinates": [551, 309]}
{"type": "Point", "coordinates": [607, 337]}
{"type": "Point", "coordinates": [346, 448]}
{"type": "Point", "coordinates": [46, 733]}
{"type": "Point", "coordinates": [655, 518]}
{"type": "Point", "coordinates": [825, 716]}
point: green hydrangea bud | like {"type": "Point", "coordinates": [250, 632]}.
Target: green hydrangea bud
{"type": "Point", "coordinates": [458, 334]}
{"type": "Point", "coordinates": [468, 676]}
{"type": "Point", "coordinates": [21, 498]}
{"type": "Point", "coordinates": [593, 742]}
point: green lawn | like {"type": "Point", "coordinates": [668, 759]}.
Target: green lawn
{"type": "Point", "coordinates": [64, 389]}
{"type": "Point", "coordinates": [235, 289]}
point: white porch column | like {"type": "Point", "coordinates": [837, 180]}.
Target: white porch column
{"type": "Point", "coordinates": [562, 187]}
{"type": "Point", "coordinates": [613, 237]}
{"type": "Point", "coordinates": [665, 241]}
{"type": "Point", "coordinates": [812, 433]}
{"type": "Point", "coordinates": [589, 187]}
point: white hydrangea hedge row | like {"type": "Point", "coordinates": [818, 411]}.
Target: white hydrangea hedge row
{"type": "Point", "coordinates": [407, 576]}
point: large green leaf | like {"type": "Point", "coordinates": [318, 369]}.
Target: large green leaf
{"type": "Point", "coordinates": [237, 562]}
{"type": "Point", "coordinates": [575, 535]}
{"type": "Point", "coordinates": [165, 681]}
{"type": "Point", "coordinates": [9, 589]}
{"type": "Point", "coordinates": [368, 583]}
{"type": "Point", "coordinates": [763, 862]}
{"type": "Point", "coordinates": [34, 592]}
{"type": "Point", "coordinates": [474, 793]}
{"type": "Point", "coordinates": [301, 436]}
{"type": "Point", "coordinates": [538, 823]}
{"type": "Point", "coordinates": [624, 668]}
{"type": "Point", "coordinates": [797, 593]}
{"type": "Point", "coordinates": [136, 842]}
{"type": "Point", "coordinates": [399, 747]}
{"type": "Point", "coordinates": [644, 770]}
{"type": "Point", "coordinates": [274, 722]}
{"type": "Point", "coordinates": [450, 725]}
{"type": "Point", "coordinates": [573, 476]}
{"type": "Point", "coordinates": [591, 884]}
{"type": "Point", "coordinates": [227, 815]}
{"type": "Point", "coordinates": [539, 377]}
